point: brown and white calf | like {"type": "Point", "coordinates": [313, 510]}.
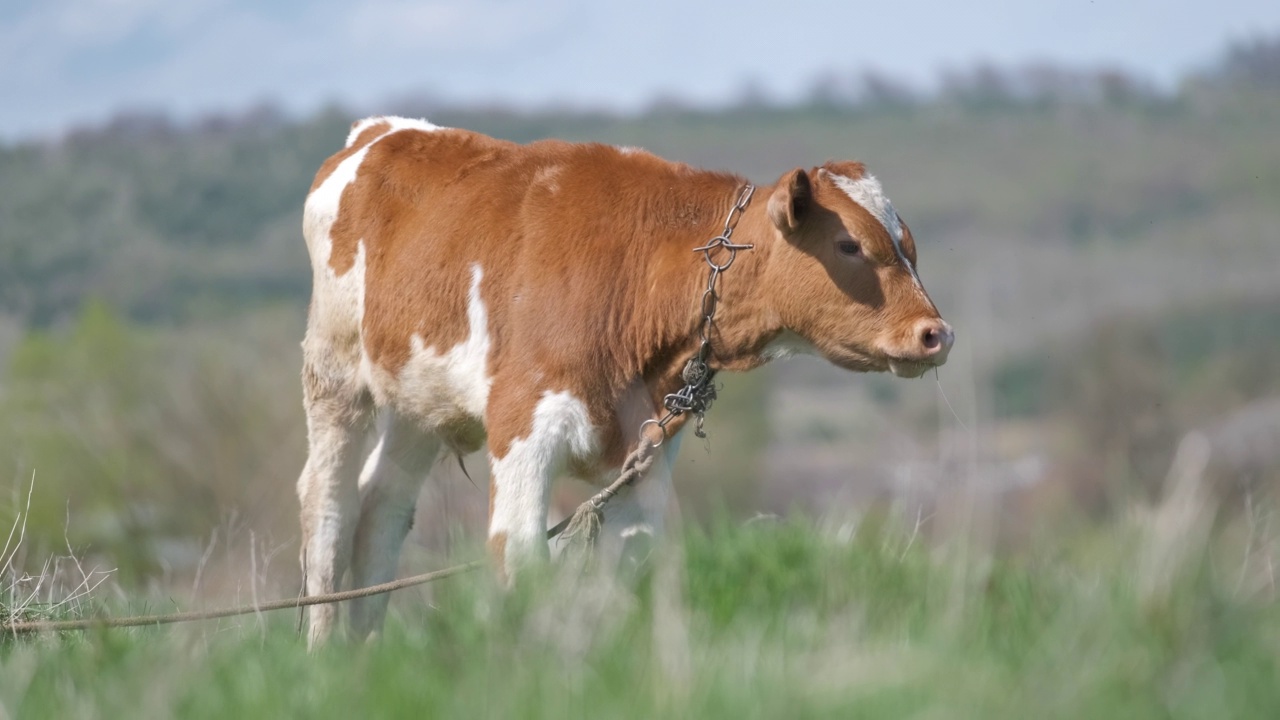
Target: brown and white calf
{"type": "Point", "coordinates": [545, 297]}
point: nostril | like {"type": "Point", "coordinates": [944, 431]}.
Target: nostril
{"type": "Point", "coordinates": [932, 339]}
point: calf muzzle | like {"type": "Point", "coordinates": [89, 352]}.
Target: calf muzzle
{"type": "Point", "coordinates": [935, 338]}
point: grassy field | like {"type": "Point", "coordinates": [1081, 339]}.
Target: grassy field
{"type": "Point", "coordinates": [1153, 617]}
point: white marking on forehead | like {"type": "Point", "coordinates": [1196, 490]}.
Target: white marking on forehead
{"type": "Point", "coordinates": [866, 191]}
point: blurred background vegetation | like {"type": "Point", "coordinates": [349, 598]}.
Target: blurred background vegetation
{"type": "Point", "coordinates": [1107, 251]}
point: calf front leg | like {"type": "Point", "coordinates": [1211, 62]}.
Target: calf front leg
{"type": "Point", "coordinates": [529, 447]}
{"type": "Point", "coordinates": [634, 521]}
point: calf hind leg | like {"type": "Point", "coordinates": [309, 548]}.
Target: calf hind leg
{"type": "Point", "coordinates": [389, 488]}
{"type": "Point", "coordinates": [337, 422]}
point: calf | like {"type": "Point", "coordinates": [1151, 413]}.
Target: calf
{"type": "Point", "coordinates": [545, 297]}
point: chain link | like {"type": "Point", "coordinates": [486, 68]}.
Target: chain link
{"type": "Point", "coordinates": [699, 391]}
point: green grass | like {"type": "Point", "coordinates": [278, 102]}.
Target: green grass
{"type": "Point", "coordinates": [765, 620]}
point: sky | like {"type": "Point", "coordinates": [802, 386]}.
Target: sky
{"type": "Point", "coordinates": [66, 63]}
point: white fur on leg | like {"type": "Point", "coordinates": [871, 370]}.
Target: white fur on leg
{"type": "Point", "coordinates": [389, 487]}
{"type": "Point", "coordinates": [327, 491]}
{"type": "Point", "coordinates": [522, 478]}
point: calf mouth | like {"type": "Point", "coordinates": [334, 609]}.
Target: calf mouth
{"type": "Point", "coordinates": [904, 368]}
{"type": "Point", "coordinates": [861, 359]}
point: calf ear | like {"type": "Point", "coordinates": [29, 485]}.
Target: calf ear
{"type": "Point", "coordinates": [789, 204]}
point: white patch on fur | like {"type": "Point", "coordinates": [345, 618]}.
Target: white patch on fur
{"type": "Point", "coordinates": [548, 177]}
{"type": "Point", "coordinates": [439, 387]}
{"type": "Point", "coordinates": [867, 192]}
{"type": "Point", "coordinates": [786, 345]}
{"type": "Point", "coordinates": [630, 149]}
{"type": "Point", "coordinates": [322, 205]}
{"type": "Point", "coordinates": [397, 123]}
{"type": "Point", "coordinates": [321, 210]}
{"type": "Point", "coordinates": [561, 430]}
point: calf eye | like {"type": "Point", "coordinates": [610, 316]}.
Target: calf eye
{"type": "Point", "coordinates": [848, 247]}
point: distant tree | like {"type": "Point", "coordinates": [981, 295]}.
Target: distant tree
{"type": "Point", "coordinates": [668, 104]}
{"type": "Point", "coordinates": [1044, 85]}
{"type": "Point", "coordinates": [829, 89]}
{"type": "Point", "coordinates": [1246, 67]}
{"type": "Point", "coordinates": [753, 96]}
{"type": "Point", "coordinates": [1254, 62]}
{"type": "Point", "coordinates": [1118, 87]}
{"type": "Point", "coordinates": [871, 89]}
{"type": "Point", "coordinates": [983, 86]}
{"type": "Point", "coordinates": [1053, 85]}
{"type": "Point", "coordinates": [129, 126]}
{"type": "Point", "coordinates": [261, 118]}
{"type": "Point", "coordinates": [880, 90]}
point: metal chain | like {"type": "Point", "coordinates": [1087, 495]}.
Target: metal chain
{"type": "Point", "coordinates": [699, 391]}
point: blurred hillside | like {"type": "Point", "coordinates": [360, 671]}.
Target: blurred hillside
{"type": "Point", "coordinates": [1108, 253]}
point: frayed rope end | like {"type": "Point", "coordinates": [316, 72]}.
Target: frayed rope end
{"type": "Point", "coordinates": [584, 527]}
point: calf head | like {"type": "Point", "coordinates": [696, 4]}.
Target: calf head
{"type": "Point", "coordinates": [844, 278]}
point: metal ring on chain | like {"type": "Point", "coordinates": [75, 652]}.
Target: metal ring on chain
{"type": "Point", "coordinates": [720, 267]}
{"type": "Point", "coordinates": [662, 432]}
